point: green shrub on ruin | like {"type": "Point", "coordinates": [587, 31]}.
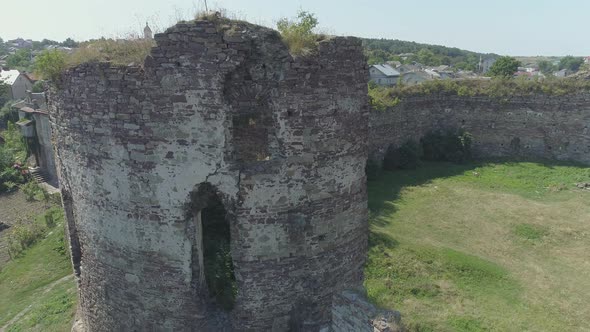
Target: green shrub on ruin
{"type": "Point", "coordinates": [118, 52]}
{"type": "Point", "coordinates": [380, 97]}
{"type": "Point", "coordinates": [299, 34]}
{"type": "Point", "coordinates": [452, 145]}
{"type": "Point", "coordinates": [50, 64]}
{"type": "Point", "coordinates": [132, 51]}
{"type": "Point", "coordinates": [500, 89]}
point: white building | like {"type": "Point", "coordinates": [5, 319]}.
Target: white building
{"type": "Point", "coordinates": [384, 75]}
{"type": "Point", "coordinates": [19, 83]}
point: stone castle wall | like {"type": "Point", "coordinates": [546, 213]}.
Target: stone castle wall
{"type": "Point", "coordinates": [282, 141]}
{"type": "Point", "coordinates": [548, 127]}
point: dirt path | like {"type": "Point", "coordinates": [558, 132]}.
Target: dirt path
{"type": "Point", "coordinates": [47, 289]}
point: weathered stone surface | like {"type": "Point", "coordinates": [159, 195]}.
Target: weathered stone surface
{"type": "Point", "coordinates": [283, 141]}
{"type": "Point", "coordinates": [352, 312]}
{"type": "Point", "coordinates": [549, 127]}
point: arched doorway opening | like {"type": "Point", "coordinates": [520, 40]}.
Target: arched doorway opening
{"type": "Point", "coordinates": [213, 270]}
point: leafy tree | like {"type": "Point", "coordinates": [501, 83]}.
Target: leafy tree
{"type": "Point", "coordinates": [20, 59]}
{"type": "Point", "coordinates": [13, 151]}
{"type": "Point", "coordinates": [50, 64]}
{"type": "Point", "coordinates": [299, 34]}
{"type": "Point", "coordinates": [427, 57]}
{"type": "Point", "coordinates": [3, 49]}
{"type": "Point", "coordinates": [505, 66]}
{"type": "Point", "coordinates": [4, 93]}
{"type": "Point", "coordinates": [546, 67]}
{"type": "Point", "coordinates": [69, 43]}
{"type": "Point", "coordinates": [47, 42]}
{"type": "Point", "coordinates": [38, 87]}
{"type": "Point", "coordinates": [571, 63]}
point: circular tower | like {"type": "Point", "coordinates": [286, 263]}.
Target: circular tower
{"type": "Point", "coordinates": [220, 186]}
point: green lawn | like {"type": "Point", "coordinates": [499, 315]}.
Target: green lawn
{"type": "Point", "coordinates": [498, 246]}
{"type": "Point", "coordinates": [37, 287]}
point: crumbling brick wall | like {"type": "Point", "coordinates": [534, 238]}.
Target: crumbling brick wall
{"type": "Point", "coordinates": [283, 141]}
{"type": "Point", "coordinates": [539, 126]}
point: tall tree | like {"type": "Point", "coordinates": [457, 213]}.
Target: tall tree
{"type": "Point", "coordinates": [571, 63]}
{"type": "Point", "coordinates": [50, 64]}
{"type": "Point", "coordinates": [20, 60]}
{"type": "Point", "coordinates": [69, 43]}
{"type": "Point", "coordinates": [546, 67]}
{"type": "Point", "coordinates": [505, 66]}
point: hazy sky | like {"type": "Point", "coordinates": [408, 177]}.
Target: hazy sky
{"type": "Point", "coordinates": [514, 27]}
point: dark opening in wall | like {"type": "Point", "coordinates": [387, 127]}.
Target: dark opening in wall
{"type": "Point", "coordinates": [250, 132]}
{"type": "Point", "coordinates": [212, 259]}
{"type": "Point", "coordinates": [247, 91]}
{"type": "Point", "coordinates": [72, 233]}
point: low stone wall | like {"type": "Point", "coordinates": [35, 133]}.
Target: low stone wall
{"type": "Point", "coordinates": [539, 126]}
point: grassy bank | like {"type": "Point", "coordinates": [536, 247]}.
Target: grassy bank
{"type": "Point", "coordinates": [482, 247]}
{"type": "Point", "coordinates": [37, 291]}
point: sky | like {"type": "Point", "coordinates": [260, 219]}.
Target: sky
{"type": "Point", "coordinates": [507, 27]}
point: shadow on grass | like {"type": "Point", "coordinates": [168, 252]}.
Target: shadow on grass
{"type": "Point", "coordinates": [385, 189]}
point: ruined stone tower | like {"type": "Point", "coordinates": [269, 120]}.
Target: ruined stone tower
{"type": "Point", "coordinates": [221, 126]}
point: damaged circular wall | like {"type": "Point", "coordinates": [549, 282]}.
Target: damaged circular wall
{"type": "Point", "coordinates": [283, 141]}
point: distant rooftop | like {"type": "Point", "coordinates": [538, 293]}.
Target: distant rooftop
{"type": "Point", "coordinates": [387, 70]}
{"type": "Point", "coordinates": [9, 76]}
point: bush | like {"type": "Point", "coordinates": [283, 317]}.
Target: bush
{"type": "Point", "coordinates": [49, 65]}
{"type": "Point", "coordinates": [299, 35]}
{"type": "Point", "coordinates": [453, 146]}
{"type": "Point", "coordinates": [33, 192]}
{"type": "Point", "coordinates": [23, 236]}
{"type": "Point", "coordinates": [406, 156]}
{"type": "Point", "coordinates": [12, 152]}
{"type": "Point", "coordinates": [380, 98]}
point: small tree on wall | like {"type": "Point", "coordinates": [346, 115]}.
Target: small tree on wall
{"type": "Point", "coordinates": [299, 34]}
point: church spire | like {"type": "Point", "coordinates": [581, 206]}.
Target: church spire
{"type": "Point", "coordinates": [147, 32]}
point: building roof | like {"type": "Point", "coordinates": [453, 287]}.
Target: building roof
{"type": "Point", "coordinates": [387, 70]}
{"type": "Point", "coordinates": [9, 76]}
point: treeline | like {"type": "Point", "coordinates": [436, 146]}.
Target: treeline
{"type": "Point", "coordinates": [382, 50]}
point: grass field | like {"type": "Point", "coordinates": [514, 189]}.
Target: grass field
{"type": "Point", "coordinates": [498, 246]}
{"type": "Point", "coordinates": [37, 288]}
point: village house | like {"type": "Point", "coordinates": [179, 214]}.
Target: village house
{"type": "Point", "coordinates": [486, 64]}
{"type": "Point", "coordinates": [415, 77]}
{"type": "Point", "coordinates": [409, 68]}
{"type": "Point", "coordinates": [384, 75]}
{"type": "Point", "coordinates": [19, 83]}
{"type": "Point", "coordinates": [562, 73]}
